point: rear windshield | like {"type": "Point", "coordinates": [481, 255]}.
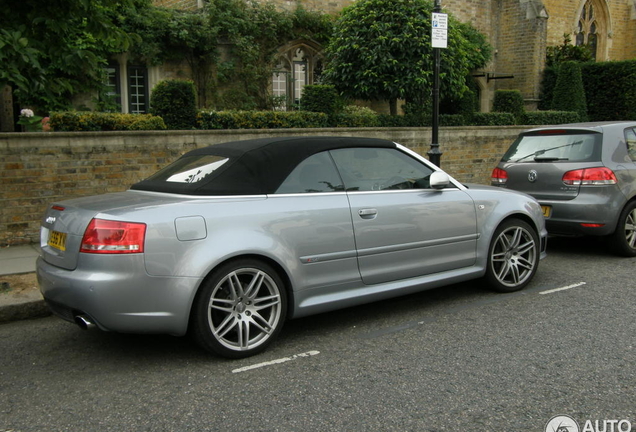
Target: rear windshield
{"type": "Point", "coordinates": [190, 169]}
{"type": "Point", "coordinates": [555, 147]}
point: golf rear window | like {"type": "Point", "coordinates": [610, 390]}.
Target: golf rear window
{"type": "Point", "coordinates": [558, 146]}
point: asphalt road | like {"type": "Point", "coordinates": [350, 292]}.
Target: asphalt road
{"type": "Point", "coordinates": [459, 358]}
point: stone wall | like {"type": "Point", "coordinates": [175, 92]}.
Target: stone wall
{"type": "Point", "coordinates": [39, 168]}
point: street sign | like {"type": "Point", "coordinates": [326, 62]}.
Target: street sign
{"type": "Point", "coordinates": [439, 32]}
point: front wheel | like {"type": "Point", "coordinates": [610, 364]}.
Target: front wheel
{"type": "Point", "coordinates": [624, 238]}
{"type": "Point", "coordinates": [513, 256]}
{"type": "Point", "coordinates": [240, 309]}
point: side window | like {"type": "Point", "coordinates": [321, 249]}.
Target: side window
{"type": "Point", "coordinates": [366, 169]}
{"type": "Point", "coordinates": [315, 174]}
{"type": "Point", "coordinates": [630, 139]}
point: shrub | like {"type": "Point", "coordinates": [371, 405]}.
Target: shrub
{"type": "Point", "coordinates": [493, 119]}
{"type": "Point", "coordinates": [509, 101]}
{"type": "Point", "coordinates": [77, 121]}
{"type": "Point", "coordinates": [320, 98]}
{"type": "Point", "coordinates": [569, 94]}
{"type": "Point", "coordinates": [260, 119]}
{"type": "Point", "coordinates": [549, 117]}
{"type": "Point", "coordinates": [355, 116]}
{"type": "Point", "coordinates": [613, 85]}
{"type": "Point", "coordinates": [175, 102]}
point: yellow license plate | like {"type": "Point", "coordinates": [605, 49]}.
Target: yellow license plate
{"type": "Point", "coordinates": [57, 240]}
{"type": "Point", "coordinates": [547, 211]}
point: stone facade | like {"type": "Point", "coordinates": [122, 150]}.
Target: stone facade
{"type": "Point", "coordinates": [37, 169]}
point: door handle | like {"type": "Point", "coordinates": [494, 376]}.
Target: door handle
{"type": "Point", "coordinates": [367, 213]}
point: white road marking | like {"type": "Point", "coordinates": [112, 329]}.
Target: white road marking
{"type": "Point", "coordinates": [277, 361]}
{"type": "Point", "coordinates": [563, 288]}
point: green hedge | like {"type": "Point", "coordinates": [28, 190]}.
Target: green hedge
{"type": "Point", "coordinates": [261, 119]}
{"type": "Point", "coordinates": [549, 117]}
{"type": "Point", "coordinates": [321, 98]}
{"type": "Point", "coordinates": [72, 121]}
{"type": "Point", "coordinates": [509, 101]}
{"type": "Point", "coordinates": [175, 102]}
{"type": "Point", "coordinates": [611, 90]}
{"type": "Point", "coordinates": [493, 119]}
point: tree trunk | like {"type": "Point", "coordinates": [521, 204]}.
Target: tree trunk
{"type": "Point", "coordinates": [393, 106]}
{"type": "Point", "coordinates": [6, 110]}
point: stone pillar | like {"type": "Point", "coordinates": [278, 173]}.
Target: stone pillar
{"type": "Point", "coordinates": [6, 110]}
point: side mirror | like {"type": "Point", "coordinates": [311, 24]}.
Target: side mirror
{"type": "Point", "coordinates": [439, 180]}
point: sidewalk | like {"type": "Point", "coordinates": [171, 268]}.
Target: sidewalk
{"type": "Point", "coordinates": [15, 260]}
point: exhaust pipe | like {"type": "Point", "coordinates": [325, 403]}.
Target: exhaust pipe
{"type": "Point", "coordinates": [84, 322]}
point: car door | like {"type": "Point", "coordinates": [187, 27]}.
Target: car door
{"type": "Point", "coordinates": [402, 227]}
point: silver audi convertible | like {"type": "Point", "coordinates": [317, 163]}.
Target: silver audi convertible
{"type": "Point", "coordinates": [230, 241]}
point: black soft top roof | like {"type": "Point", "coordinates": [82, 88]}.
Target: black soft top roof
{"type": "Point", "coordinates": [256, 166]}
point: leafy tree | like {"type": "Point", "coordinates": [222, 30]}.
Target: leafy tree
{"type": "Point", "coordinates": [51, 50]}
{"type": "Point", "coordinates": [381, 50]}
{"type": "Point", "coordinates": [556, 55]}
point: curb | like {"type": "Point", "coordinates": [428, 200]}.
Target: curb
{"type": "Point", "coordinates": [23, 310]}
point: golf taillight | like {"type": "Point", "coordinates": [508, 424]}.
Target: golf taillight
{"type": "Point", "coordinates": [498, 177]}
{"type": "Point", "coordinates": [590, 176]}
{"type": "Point", "coordinates": [113, 237]}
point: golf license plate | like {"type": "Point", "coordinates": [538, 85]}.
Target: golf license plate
{"type": "Point", "coordinates": [57, 240]}
{"type": "Point", "coordinates": [547, 211]}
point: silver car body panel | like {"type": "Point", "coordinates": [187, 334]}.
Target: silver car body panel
{"type": "Point", "coordinates": [335, 249]}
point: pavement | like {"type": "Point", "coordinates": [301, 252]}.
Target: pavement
{"type": "Point", "coordinates": [16, 260]}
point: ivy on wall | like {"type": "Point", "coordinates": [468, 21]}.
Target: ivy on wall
{"type": "Point", "coordinates": [229, 46]}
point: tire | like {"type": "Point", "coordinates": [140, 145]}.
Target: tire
{"type": "Point", "coordinates": [513, 256]}
{"type": "Point", "coordinates": [623, 241]}
{"type": "Point", "coordinates": [240, 309]}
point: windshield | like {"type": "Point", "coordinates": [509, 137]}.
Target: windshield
{"type": "Point", "coordinates": [570, 147]}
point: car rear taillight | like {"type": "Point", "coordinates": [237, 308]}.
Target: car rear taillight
{"type": "Point", "coordinates": [113, 237]}
{"type": "Point", "coordinates": [498, 177]}
{"type": "Point", "coordinates": [590, 176]}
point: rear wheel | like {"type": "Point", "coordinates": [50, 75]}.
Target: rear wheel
{"type": "Point", "coordinates": [513, 256]}
{"type": "Point", "coordinates": [624, 238]}
{"type": "Point", "coordinates": [240, 309]}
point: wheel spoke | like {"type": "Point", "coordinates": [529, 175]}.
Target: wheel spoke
{"type": "Point", "coordinates": [266, 302]}
{"type": "Point", "coordinates": [228, 324]}
{"type": "Point", "coordinates": [261, 323]}
{"type": "Point", "coordinates": [214, 305]}
{"type": "Point", "coordinates": [234, 284]}
{"type": "Point", "coordinates": [255, 285]}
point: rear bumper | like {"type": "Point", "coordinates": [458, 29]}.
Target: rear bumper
{"type": "Point", "coordinates": [119, 296]}
{"type": "Point", "coordinates": [588, 208]}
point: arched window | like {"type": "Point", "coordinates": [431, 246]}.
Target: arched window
{"type": "Point", "coordinates": [300, 63]}
{"type": "Point", "coordinates": [592, 27]}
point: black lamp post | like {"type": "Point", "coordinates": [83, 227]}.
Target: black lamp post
{"type": "Point", "coordinates": [434, 154]}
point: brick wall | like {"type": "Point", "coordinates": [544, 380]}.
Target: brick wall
{"type": "Point", "coordinates": [39, 168]}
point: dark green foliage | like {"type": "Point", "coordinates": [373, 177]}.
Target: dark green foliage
{"type": "Point", "coordinates": [548, 81]}
{"type": "Point", "coordinates": [569, 94]}
{"type": "Point", "coordinates": [76, 121]}
{"type": "Point", "coordinates": [493, 119]}
{"type": "Point", "coordinates": [355, 116]}
{"type": "Point", "coordinates": [509, 101]}
{"type": "Point", "coordinates": [175, 102]}
{"type": "Point", "coordinates": [612, 90]}
{"type": "Point", "coordinates": [50, 51]}
{"type": "Point", "coordinates": [555, 55]}
{"type": "Point", "coordinates": [321, 98]}
{"type": "Point", "coordinates": [260, 119]}
{"type": "Point", "coordinates": [381, 50]}
{"type": "Point", "coordinates": [549, 117]}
